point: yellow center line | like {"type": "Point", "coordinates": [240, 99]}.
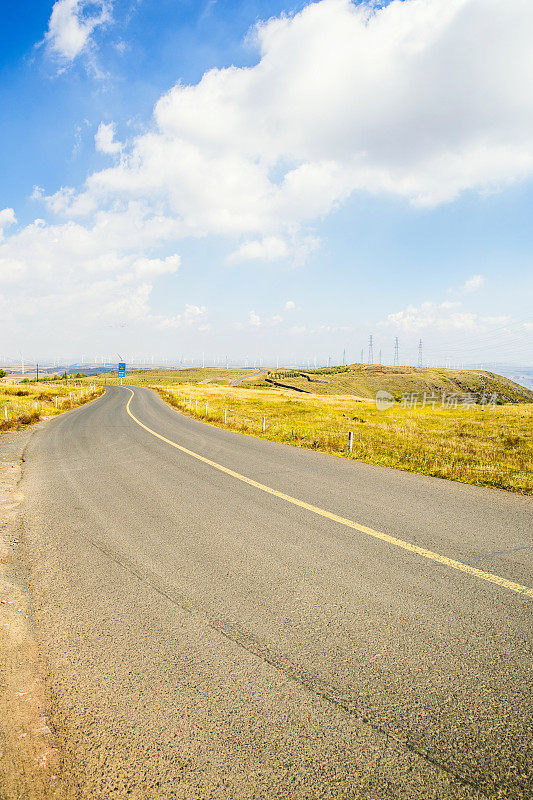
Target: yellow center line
{"type": "Point", "coordinates": [348, 523]}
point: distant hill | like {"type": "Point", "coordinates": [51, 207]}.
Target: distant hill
{"type": "Point", "coordinates": [358, 380]}
{"type": "Point", "coordinates": [364, 381]}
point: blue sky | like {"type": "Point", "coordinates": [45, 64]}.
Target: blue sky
{"type": "Point", "coordinates": [360, 169]}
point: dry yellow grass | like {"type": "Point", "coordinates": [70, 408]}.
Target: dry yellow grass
{"type": "Point", "coordinates": [362, 380]}
{"type": "Point", "coordinates": [23, 404]}
{"type": "Point", "coordinates": [490, 447]}
{"type": "Point", "coordinates": [145, 377]}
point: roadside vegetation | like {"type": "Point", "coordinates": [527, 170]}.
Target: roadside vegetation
{"type": "Point", "coordinates": [23, 404]}
{"type": "Point", "coordinates": [490, 446]}
{"type": "Point", "coordinates": [148, 377]}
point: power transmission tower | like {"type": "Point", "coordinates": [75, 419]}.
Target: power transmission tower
{"type": "Point", "coordinates": [396, 367]}
{"type": "Point", "coordinates": [362, 355]}
{"type": "Point", "coordinates": [370, 350]}
{"type": "Point", "coordinates": [344, 357]}
{"type": "Point", "coordinates": [380, 361]}
{"type": "Point", "coordinates": [420, 361]}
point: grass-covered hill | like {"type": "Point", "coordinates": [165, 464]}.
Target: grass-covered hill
{"type": "Point", "coordinates": [364, 381]}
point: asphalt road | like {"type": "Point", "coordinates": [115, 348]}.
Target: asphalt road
{"type": "Point", "coordinates": [205, 638]}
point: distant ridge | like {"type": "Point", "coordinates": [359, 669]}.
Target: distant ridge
{"type": "Point", "coordinates": [364, 381]}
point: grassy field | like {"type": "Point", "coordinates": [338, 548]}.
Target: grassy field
{"type": "Point", "coordinates": [490, 447]}
{"type": "Point", "coordinates": [148, 377]}
{"type": "Point", "coordinates": [24, 404]}
{"type": "Point", "coordinates": [361, 380]}
{"type": "Point", "coordinates": [357, 380]}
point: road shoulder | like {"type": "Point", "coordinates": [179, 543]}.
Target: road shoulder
{"type": "Point", "coordinates": [29, 757]}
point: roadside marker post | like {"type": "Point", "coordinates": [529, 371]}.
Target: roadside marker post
{"type": "Point", "coordinates": [350, 441]}
{"type": "Point", "coordinates": [56, 400]}
{"type": "Point", "coordinates": [225, 416]}
{"type": "Point", "coordinates": [264, 424]}
{"type": "Point", "coordinates": [206, 408]}
{"type": "Point", "coordinates": [196, 401]}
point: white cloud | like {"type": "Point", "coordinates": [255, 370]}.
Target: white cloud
{"type": "Point", "coordinates": [105, 139]}
{"type": "Point", "coordinates": [473, 283]}
{"type": "Point", "coordinates": [290, 305]}
{"type": "Point", "coordinates": [295, 250]}
{"type": "Point", "coordinates": [66, 202]}
{"type": "Point", "coordinates": [192, 316]}
{"type": "Point", "coordinates": [72, 23]}
{"type": "Point", "coordinates": [269, 248]}
{"type": "Point", "coordinates": [423, 99]}
{"type": "Point", "coordinates": [7, 217]}
{"type": "Point", "coordinates": [88, 275]}
{"type": "Point", "coordinates": [153, 267]}
{"type": "Point", "coordinates": [445, 316]}
{"type": "Point", "coordinates": [255, 321]}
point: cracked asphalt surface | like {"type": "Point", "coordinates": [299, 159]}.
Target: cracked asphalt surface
{"type": "Point", "coordinates": [204, 639]}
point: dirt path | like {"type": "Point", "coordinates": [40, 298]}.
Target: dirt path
{"type": "Point", "coordinates": [248, 377]}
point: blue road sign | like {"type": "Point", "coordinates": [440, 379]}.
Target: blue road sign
{"type": "Point", "coordinates": [122, 370]}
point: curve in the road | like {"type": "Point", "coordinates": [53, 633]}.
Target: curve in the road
{"type": "Point", "coordinates": [384, 537]}
{"type": "Point", "coordinates": [208, 638]}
